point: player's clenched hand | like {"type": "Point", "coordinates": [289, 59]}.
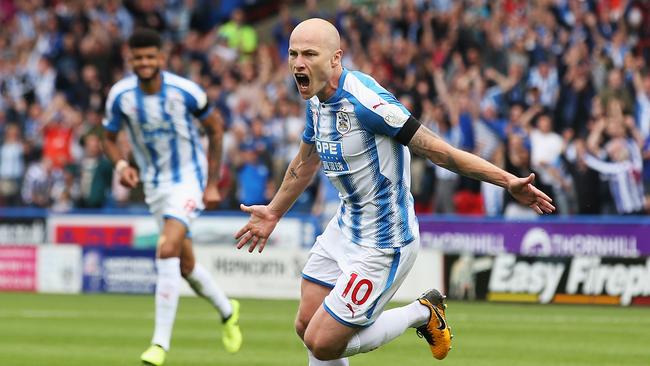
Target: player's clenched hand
{"type": "Point", "coordinates": [129, 177]}
{"type": "Point", "coordinates": [211, 196]}
{"type": "Point", "coordinates": [258, 229]}
{"type": "Point", "coordinates": [523, 190]}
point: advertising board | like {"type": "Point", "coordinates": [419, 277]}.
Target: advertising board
{"type": "Point", "coordinates": [118, 270]}
{"type": "Point", "coordinates": [141, 231]}
{"type": "Point", "coordinates": [22, 230]}
{"type": "Point", "coordinates": [537, 238]}
{"type": "Point", "coordinates": [58, 269]}
{"type": "Point", "coordinates": [566, 280]}
{"type": "Point", "coordinates": [17, 268]}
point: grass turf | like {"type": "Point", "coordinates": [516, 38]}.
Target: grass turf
{"type": "Point", "coordinates": [75, 330]}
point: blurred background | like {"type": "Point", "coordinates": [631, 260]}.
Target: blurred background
{"type": "Point", "coordinates": [556, 87]}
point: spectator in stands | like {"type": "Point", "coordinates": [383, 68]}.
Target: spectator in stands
{"type": "Point", "coordinates": [518, 162]}
{"type": "Point", "coordinates": [253, 177]}
{"type": "Point", "coordinates": [96, 174]}
{"type": "Point", "coordinates": [544, 78]}
{"type": "Point", "coordinates": [240, 35]}
{"type": "Point", "coordinates": [623, 173]}
{"type": "Point", "coordinates": [11, 165]}
{"type": "Point", "coordinates": [620, 163]}
{"type": "Point", "coordinates": [58, 133]}
{"type": "Point", "coordinates": [65, 191]}
{"type": "Point", "coordinates": [147, 14]}
{"type": "Point", "coordinates": [38, 182]}
{"type": "Point", "coordinates": [43, 77]}
{"type": "Point", "coordinates": [615, 89]}
{"type": "Point", "coordinates": [642, 90]}
{"type": "Point", "coordinates": [586, 181]}
{"type": "Point", "coordinates": [282, 30]}
{"type": "Point", "coordinates": [552, 54]}
{"type": "Point", "coordinates": [545, 158]}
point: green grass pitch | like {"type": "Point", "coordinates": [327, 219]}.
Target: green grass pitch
{"type": "Point", "coordinates": [75, 330]}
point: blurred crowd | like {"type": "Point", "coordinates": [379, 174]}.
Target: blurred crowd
{"type": "Point", "coordinates": [558, 88]}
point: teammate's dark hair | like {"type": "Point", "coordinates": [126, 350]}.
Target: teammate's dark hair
{"type": "Point", "coordinates": [144, 37]}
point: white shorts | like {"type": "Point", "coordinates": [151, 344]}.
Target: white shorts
{"type": "Point", "coordinates": [182, 202]}
{"type": "Point", "coordinates": [362, 279]}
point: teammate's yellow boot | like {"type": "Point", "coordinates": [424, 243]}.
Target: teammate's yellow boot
{"type": "Point", "coordinates": [154, 355]}
{"type": "Point", "coordinates": [436, 331]}
{"type": "Point", "coordinates": [231, 334]}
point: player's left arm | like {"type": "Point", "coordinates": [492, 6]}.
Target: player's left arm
{"type": "Point", "coordinates": [424, 142]}
{"type": "Point", "coordinates": [213, 126]}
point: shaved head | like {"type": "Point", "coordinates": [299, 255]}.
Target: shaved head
{"type": "Point", "coordinates": [315, 58]}
{"type": "Point", "coordinates": [318, 32]}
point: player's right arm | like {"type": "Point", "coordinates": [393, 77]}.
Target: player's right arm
{"type": "Point", "coordinates": [128, 174]}
{"type": "Point", "coordinates": [112, 124]}
{"type": "Point", "coordinates": [263, 219]}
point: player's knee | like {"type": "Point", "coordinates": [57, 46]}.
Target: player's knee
{"type": "Point", "coordinates": [301, 326]}
{"type": "Point", "coordinates": [187, 266]}
{"type": "Point", "coordinates": [168, 249]}
{"type": "Point", "coordinates": [323, 348]}
{"type": "Point", "coordinates": [323, 351]}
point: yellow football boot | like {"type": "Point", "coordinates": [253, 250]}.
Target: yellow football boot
{"type": "Point", "coordinates": [231, 334]}
{"type": "Point", "coordinates": [436, 331]}
{"type": "Point", "coordinates": [154, 355]}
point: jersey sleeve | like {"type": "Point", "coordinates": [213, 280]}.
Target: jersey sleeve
{"type": "Point", "coordinates": [377, 109]}
{"type": "Point", "coordinates": [308, 134]}
{"type": "Point", "coordinates": [113, 116]}
{"type": "Point", "coordinates": [197, 102]}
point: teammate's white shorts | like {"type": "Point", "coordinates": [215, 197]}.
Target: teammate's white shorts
{"type": "Point", "coordinates": [362, 279]}
{"type": "Point", "coordinates": [181, 201]}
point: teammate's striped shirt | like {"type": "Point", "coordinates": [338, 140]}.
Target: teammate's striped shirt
{"type": "Point", "coordinates": [161, 129]}
{"type": "Point", "coordinates": [625, 180]}
{"type": "Point", "coordinates": [354, 134]}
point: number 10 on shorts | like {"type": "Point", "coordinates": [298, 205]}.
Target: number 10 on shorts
{"type": "Point", "coordinates": [363, 284]}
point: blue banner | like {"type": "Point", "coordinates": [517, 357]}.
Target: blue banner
{"type": "Point", "coordinates": [119, 270]}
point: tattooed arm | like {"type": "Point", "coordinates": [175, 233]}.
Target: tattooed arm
{"type": "Point", "coordinates": [427, 144]}
{"type": "Point", "coordinates": [264, 218]}
{"type": "Point", "coordinates": [298, 176]}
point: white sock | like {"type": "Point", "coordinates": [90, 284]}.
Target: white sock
{"type": "Point", "coordinates": [388, 326]}
{"type": "Point", "coordinates": [167, 289]}
{"type": "Point", "coordinates": [313, 361]}
{"type": "Point", "coordinates": [203, 284]}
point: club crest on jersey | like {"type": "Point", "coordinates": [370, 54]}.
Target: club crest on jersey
{"type": "Point", "coordinates": [343, 125]}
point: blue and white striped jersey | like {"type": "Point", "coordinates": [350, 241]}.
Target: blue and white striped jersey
{"type": "Point", "coordinates": [354, 134]}
{"type": "Point", "coordinates": [161, 129]}
{"type": "Point", "coordinates": [624, 177]}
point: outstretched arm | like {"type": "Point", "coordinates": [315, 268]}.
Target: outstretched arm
{"type": "Point", "coordinates": [431, 146]}
{"type": "Point", "coordinates": [264, 218]}
{"type": "Point", "coordinates": [298, 176]}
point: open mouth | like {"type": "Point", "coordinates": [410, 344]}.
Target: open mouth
{"type": "Point", "coordinates": [302, 80]}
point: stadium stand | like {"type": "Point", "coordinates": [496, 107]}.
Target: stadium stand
{"type": "Point", "coordinates": [558, 88]}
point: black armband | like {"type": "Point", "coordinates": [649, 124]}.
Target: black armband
{"type": "Point", "coordinates": [200, 113]}
{"type": "Point", "coordinates": [407, 131]}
